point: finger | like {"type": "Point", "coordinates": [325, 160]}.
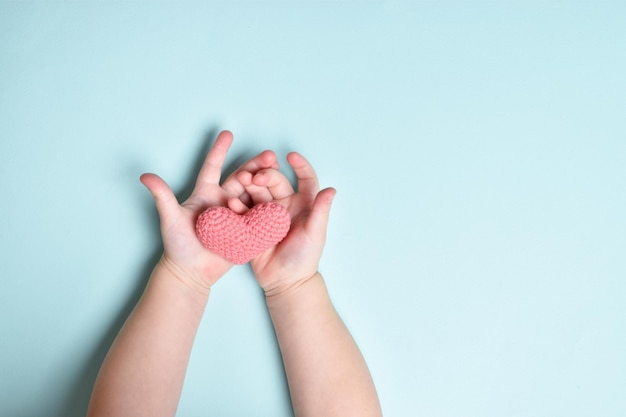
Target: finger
{"type": "Point", "coordinates": [211, 170]}
{"type": "Point", "coordinates": [238, 183]}
{"type": "Point", "coordinates": [252, 193]}
{"type": "Point", "coordinates": [264, 160]}
{"type": "Point", "coordinates": [318, 219]}
{"type": "Point", "coordinates": [237, 205]}
{"type": "Point", "coordinates": [307, 178]}
{"type": "Point", "coordinates": [165, 200]}
{"type": "Point", "coordinates": [276, 183]}
{"type": "Point", "coordinates": [258, 194]}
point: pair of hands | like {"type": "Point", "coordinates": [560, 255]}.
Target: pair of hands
{"type": "Point", "coordinates": [258, 180]}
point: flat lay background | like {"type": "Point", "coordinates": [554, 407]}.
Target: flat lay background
{"type": "Point", "coordinates": [477, 243]}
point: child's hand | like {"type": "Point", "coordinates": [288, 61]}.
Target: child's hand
{"type": "Point", "coordinates": [296, 258]}
{"type": "Point", "coordinates": [184, 255]}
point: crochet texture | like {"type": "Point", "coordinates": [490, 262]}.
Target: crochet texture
{"type": "Point", "coordinates": [240, 238]}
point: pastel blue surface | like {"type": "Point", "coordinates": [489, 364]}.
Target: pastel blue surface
{"type": "Point", "coordinates": [477, 243]}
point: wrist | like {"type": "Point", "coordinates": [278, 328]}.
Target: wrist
{"type": "Point", "coordinates": [287, 289]}
{"type": "Point", "coordinates": [183, 277]}
{"type": "Point", "coordinates": [308, 299]}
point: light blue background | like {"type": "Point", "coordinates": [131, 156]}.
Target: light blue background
{"type": "Point", "coordinates": [477, 244]}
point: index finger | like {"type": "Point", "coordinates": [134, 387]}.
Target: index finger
{"type": "Point", "coordinates": [211, 170]}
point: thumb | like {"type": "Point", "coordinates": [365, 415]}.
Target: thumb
{"type": "Point", "coordinates": [164, 198]}
{"type": "Point", "coordinates": [318, 219]}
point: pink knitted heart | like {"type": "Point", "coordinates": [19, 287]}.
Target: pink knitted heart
{"type": "Point", "coordinates": [240, 238]}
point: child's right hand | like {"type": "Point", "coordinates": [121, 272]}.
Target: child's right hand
{"type": "Point", "coordinates": [293, 261]}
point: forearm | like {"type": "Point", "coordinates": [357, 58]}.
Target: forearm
{"type": "Point", "coordinates": [326, 372]}
{"type": "Point", "coordinates": [144, 370]}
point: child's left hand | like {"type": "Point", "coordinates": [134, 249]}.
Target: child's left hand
{"type": "Point", "coordinates": [183, 253]}
{"type": "Point", "coordinates": [296, 258]}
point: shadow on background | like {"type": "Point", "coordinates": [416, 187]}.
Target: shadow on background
{"type": "Point", "coordinates": [79, 392]}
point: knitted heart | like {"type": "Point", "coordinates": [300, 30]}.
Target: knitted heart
{"type": "Point", "coordinates": [240, 238]}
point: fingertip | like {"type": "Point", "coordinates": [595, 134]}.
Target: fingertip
{"type": "Point", "coordinates": [244, 177]}
{"type": "Point", "coordinates": [145, 176]}
{"type": "Point", "coordinates": [326, 196]}
{"type": "Point", "coordinates": [151, 181]}
{"type": "Point", "coordinates": [331, 191]}
{"type": "Point", "coordinates": [225, 139]}
{"type": "Point", "coordinates": [261, 178]}
{"type": "Point", "coordinates": [294, 157]}
{"type": "Point", "coordinates": [226, 135]}
{"type": "Point", "coordinates": [268, 157]}
{"type": "Point", "coordinates": [236, 205]}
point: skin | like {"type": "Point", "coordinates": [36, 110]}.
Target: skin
{"type": "Point", "coordinates": [144, 371]}
{"type": "Point", "coordinates": [326, 372]}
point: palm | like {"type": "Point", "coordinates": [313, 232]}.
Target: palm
{"type": "Point", "coordinates": [295, 258]}
{"type": "Point", "coordinates": [180, 242]}
{"type": "Point", "coordinates": [290, 259]}
{"type": "Point", "coordinates": [182, 249]}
